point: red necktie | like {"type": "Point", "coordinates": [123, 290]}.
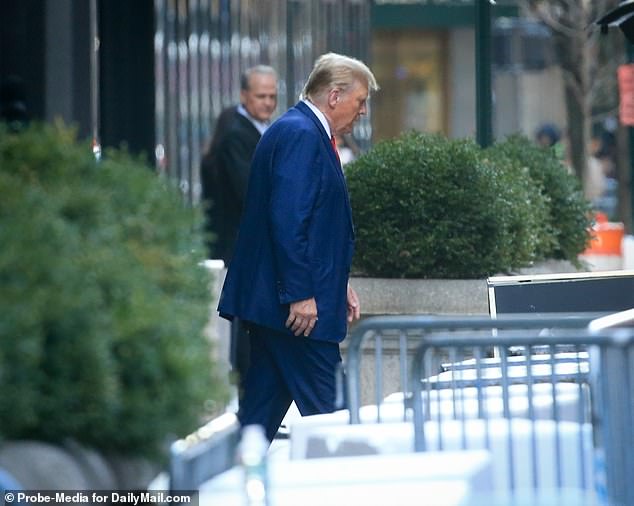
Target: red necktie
{"type": "Point", "coordinates": [334, 146]}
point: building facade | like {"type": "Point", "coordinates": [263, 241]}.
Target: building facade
{"type": "Point", "coordinates": [166, 68]}
{"type": "Point", "coordinates": [423, 52]}
{"type": "Point", "coordinates": [202, 46]}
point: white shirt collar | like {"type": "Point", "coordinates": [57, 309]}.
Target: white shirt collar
{"type": "Point", "coordinates": [320, 116]}
{"type": "Point", "coordinates": [261, 126]}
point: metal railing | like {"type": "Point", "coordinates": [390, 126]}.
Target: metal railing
{"type": "Point", "coordinates": [609, 373]}
{"type": "Point", "coordinates": [204, 454]}
{"type": "Point", "coordinates": [552, 400]}
{"type": "Point", "coordinates": [406, 332]}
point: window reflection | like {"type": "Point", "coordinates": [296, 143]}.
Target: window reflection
{"type": "Point", "coordinates": [410, 65]}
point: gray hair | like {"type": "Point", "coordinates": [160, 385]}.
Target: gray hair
{"type": "Point", "coordinates": [336, 71]}
{"type": "Point", "coordinates": [245, 78]}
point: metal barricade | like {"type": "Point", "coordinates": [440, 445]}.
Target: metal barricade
{"type": "Point", "coordinates": [204, 454]}
{"type": "Point", "coordinates": [576, 384]}
{"type": "Point", "coordinates": [404, 333]}
{"type": "Point", "coordinates": [616, 437]}
{"type": "Point", "coordinates": [592, 444]}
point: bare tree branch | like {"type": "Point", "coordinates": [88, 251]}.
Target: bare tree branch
{"type": "Point", "coordinates": [546, 16]}
{"type": "Point", "coordinates": [587, 78]}
{"type": "Point", "coordinates": [603, 78]}
{"type": "Point", "coordinates": [573, 84]}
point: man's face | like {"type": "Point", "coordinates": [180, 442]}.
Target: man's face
{"type": "Point", "coordinates": [260, 99]}
{"type": "Point", "coordinates": [349, 106]}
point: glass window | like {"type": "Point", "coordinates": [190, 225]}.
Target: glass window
{"type": "Point", "coordinates": [409, 66]}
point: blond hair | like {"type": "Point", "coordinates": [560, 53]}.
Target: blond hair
{"type": "Point", "coordinates": [336, 71]}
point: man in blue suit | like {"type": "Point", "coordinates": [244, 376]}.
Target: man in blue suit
{"type": "Point", "coordinates": [289, 273]}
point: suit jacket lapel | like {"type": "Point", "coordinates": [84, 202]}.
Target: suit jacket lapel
{"type": "Point", "coordinates": [324, 136]}
{"type": "Point", "coordinates": [303, 108]}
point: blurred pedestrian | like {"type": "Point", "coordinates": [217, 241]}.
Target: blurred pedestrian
{"type": "Point", "coordinates": [225, 174]}
{"type": "Point", "coordinates": [289, 274]}
{"type": "Point", "coordinates": [547, 135]}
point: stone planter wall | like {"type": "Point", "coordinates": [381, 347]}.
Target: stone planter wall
{"type": "Point", "coordinates": [380, 296]}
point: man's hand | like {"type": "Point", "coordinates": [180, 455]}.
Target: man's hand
{"type": "Point", "coordinates": [354, 308]}
{"type": "Point", "coordinates": [302, 316]}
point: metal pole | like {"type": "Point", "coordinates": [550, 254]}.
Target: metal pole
{"type": "Point", "coordinates": [484, 101]}
{"type": "Point", "coordinates": [94, 79]}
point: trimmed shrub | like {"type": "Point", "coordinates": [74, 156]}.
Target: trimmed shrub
{"type": "Point", "coordinates": [429, 207]}
{"type": "Point", "coordinates": [566, 227]}
{"type": "Point", "coordinates": [104, 302]}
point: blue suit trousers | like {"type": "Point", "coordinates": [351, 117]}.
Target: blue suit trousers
{"type": "Point", "coordinates": [286, 368]}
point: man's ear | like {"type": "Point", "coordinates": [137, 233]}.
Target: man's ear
{"type": "Point", "coordinates": [333, 97]}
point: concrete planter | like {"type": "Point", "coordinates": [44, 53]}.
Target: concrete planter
{"type": "Point", "coordinates": [388, 296]}
{"type": "Point", "coordinates": [382, 296]}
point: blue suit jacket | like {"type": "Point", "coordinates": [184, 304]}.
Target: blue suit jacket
{"type": "Point", "coordinates": [296, 236]}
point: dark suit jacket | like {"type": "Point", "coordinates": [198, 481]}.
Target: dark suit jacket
{"type": "Point", "coordinates": [224, 179]}
{"type": "Point", "coordinates": [296, 238]}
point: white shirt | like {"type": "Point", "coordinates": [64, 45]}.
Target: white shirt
{"type": "Point", "coordinates": [320, 116]}
{"type": "Point", "coordinates": [260, 125]}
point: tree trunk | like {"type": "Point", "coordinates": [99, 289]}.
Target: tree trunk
{"type": "Point", "coordinates": [574, 64]}
{"type": "Point", "coordinates": [577, 133]}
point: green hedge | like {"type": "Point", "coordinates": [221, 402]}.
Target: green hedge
{"type": "Point", "coordinates": [429, 207]}
{"type": "Point", "coordinates": [568, 213]}
{"type": "Point", "coordinates": [103, 299]}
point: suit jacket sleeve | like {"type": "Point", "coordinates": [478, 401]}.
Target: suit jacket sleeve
{"type": "Point", "coordinates": [296, 170]}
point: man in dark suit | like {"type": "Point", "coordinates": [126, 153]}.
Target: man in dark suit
{"type": "Point", "coordinates": [225, 174]}
{"type": "Point", "coordinates": [225, 165]}
{"type": "Point", "coordinates": [289, 274]}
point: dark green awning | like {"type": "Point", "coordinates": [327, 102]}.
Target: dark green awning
{"type": "Point", "coordinates": [387, 14]}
